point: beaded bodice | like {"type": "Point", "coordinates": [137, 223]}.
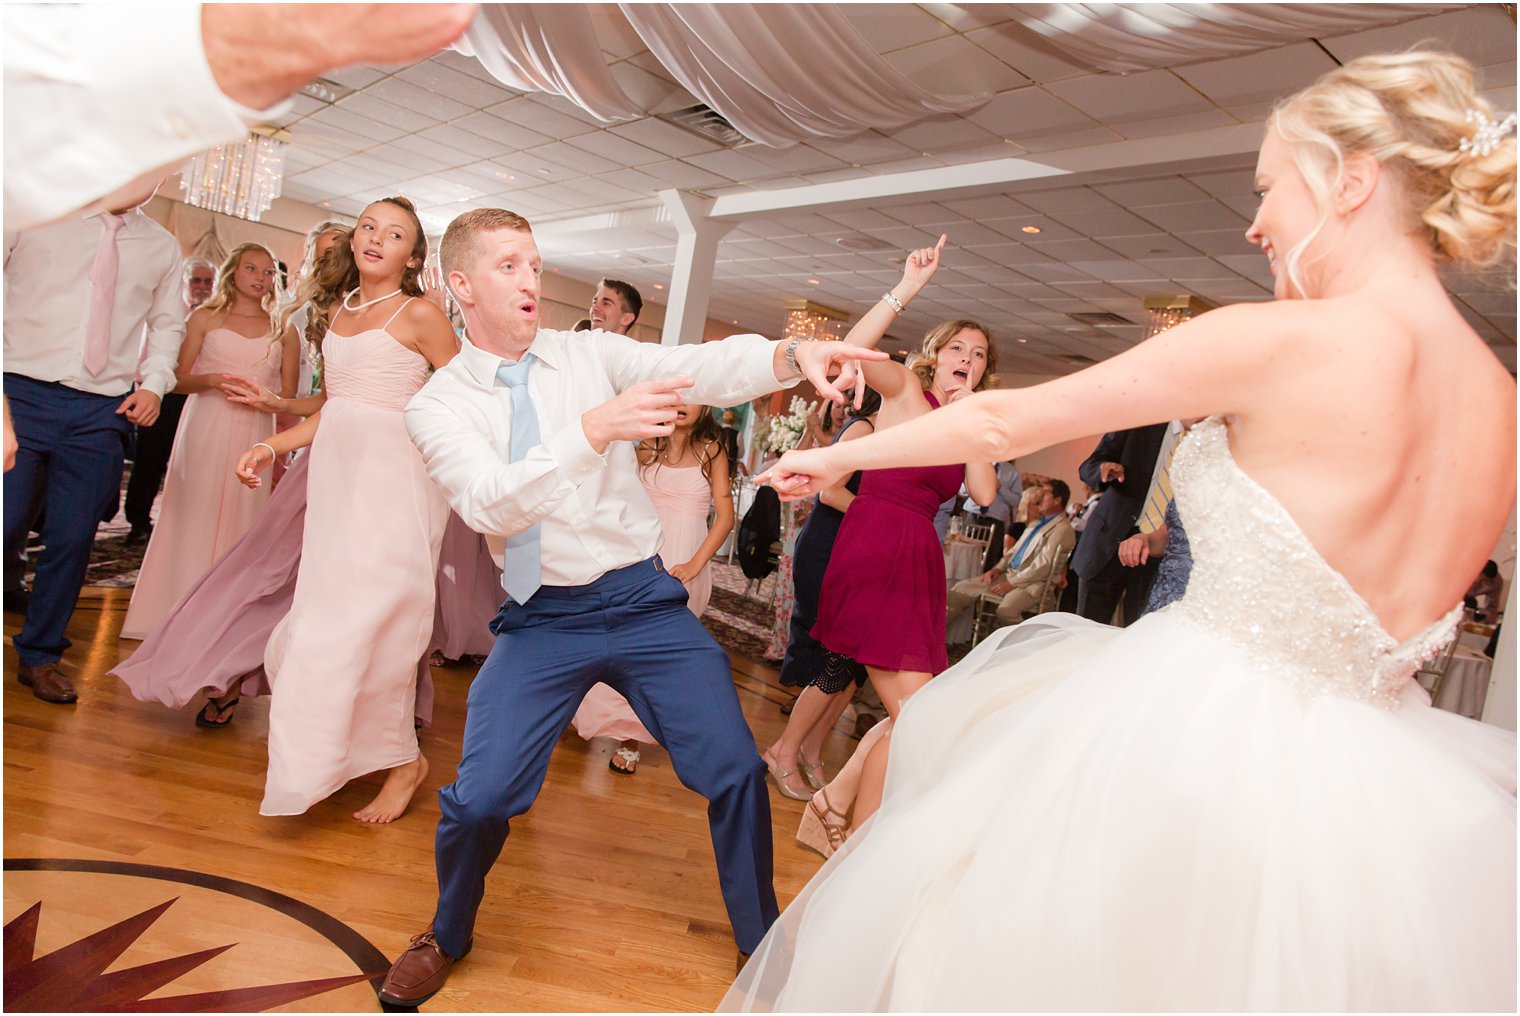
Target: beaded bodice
{"type": "Point", "coordinates": [1259, 582]}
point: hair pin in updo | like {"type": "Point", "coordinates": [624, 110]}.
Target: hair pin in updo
{"type": "Point", "coordinates": [1488, 135]}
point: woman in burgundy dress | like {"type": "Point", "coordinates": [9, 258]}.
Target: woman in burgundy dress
{"type": "Point", "coordinates": [883, 597]}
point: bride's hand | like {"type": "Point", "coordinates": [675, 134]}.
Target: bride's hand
{"type": "Point", "coordinates": [801, 474]}
{"type": "Point", "coordinates": [247, 392]}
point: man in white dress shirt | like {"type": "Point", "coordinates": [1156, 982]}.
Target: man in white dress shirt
{"type": "Point", "coordinates": [78, 295]}
{"type": "Point", "coordinates": [588, 597]}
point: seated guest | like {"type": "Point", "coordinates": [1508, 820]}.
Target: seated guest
{"type": "Point", "coordinates": [1020, 577]}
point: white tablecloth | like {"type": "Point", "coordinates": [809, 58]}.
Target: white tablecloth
{"type": "Point", "coordinates": [1466, 686]}
{"type": "Point", "coordinates": [963, 560]}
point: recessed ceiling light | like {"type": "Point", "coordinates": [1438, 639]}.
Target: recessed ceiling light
{"type": "Point", "coordinates": [506, 176]}
{"type": "Point", "coordinates": [1020, 340]}
{"type": "Point", "coordinates": [814, 282]}
{"type": "Point", "coordinates": [658, 286]}
{"type": "Point", "coordinates": [544, 170]}
{"type": "Point", "coordinates": [736, 320]}
{"type": "Point", "coordinates": [327, 204]}
{"type": "Point", "coordinates": [1031, 229]}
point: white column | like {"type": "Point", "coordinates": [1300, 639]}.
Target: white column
{"type": "Point", "coordinates": [691, 278]}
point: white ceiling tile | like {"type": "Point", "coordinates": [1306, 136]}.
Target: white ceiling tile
{"type": "Point", "coordinates": [1186, 123]}
{"type": "Point", "coordinates": [1258, 77]}
{"type": "Point", "coordinates": [1165, 190]}
{"type": "Point", "coordinates": [664, 137]}
{"type": "Point", "coordinates": [1059, 141]}
{"type": "Point", "coordinates": [613, 31]}
{"type": "Point", "coordinates": [1483, 33]}
{"type": "Point", "coordinates": [954, 66]}
{"type": "Point", "coordinates": [377, 108]}
{"type": "Point", "coordinates": [356, 76]}
{"type": "Point", "coordinates": [734, 165]}
{"type": "Point", "coordinates": [1026, 52]}
{"type": "Point", "coordinates": [987, 206]}
{"type": "Point", "coordinates": [577, 161]}
{"type": "Point", "coordinates": [1191, 269]}
{"type": "Point", "coordinates": [870, 147]}
{"type": "Point", "coordinates": [654, 92]}
{"type": "Point", "coordinates": [1073, 251]}
{"type": "Point", "coordinates": [798, 159]}
{"type": "Point", "coordinates": [507, 136]}
{"type": "Point", "coordinates": [1030, 112]}
{"type": "Point", "coordinates": [618, 149]}
{"type": "Point", "coordinates": [637, 180]}
{"type": "Point", "coordinates": [417, 100]}
{"type": "Point", "coordinates": [1215, 242]}
{"type": "Point", "coordinates": [980, 153]}
{"type": "Point", "coordinates": [363, 126]}
{"type": "Point", "coordinates": [463, 140]}
{"type": "Point", "coordinates": [889, 27]}
{"type": "Point", "coordinates": [435, 77]}
{"type": "Point", "coordinates": [1105, 222]}
{"type": "Point", "coordinates": [1123, 98]}
{"type": "Point", "coordinates": [943, 133]}
{"type": "Point", "coordinates": [538, 117]}
{"type": "Point", "coordinates": [1184, 219]}
{"type": "Point", "coordinates": [1117, 270]}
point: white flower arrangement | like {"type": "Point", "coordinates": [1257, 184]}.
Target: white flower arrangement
{"type": "Point", "coordinates": [784, 432]}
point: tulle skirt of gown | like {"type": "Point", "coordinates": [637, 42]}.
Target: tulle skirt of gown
{"type": "Point", "coordinates": [215, 636]}
{"type": "Point", "coordinates": [1082, 818]}
{"type": "Point", "coordinates": [469, 593]}
{"type": "Point", "coordinates": [681, 496]}
{"type": "Point", "coordinates": [343, 662]}
{"type": "Point", "coordinates": [205, 510]}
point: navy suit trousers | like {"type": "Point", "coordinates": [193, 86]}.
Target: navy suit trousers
{"type": "Point", "coordinates": [632, 630]}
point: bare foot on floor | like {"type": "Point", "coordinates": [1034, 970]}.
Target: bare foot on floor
{"type": "Point", "coordinates": [400, 784]}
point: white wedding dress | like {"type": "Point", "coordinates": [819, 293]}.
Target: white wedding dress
{"type": "Point", "coordinates": [1240, 802]}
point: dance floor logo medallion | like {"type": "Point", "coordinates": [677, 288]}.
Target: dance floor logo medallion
{"type": "Point", "coordinates": [105, 936]}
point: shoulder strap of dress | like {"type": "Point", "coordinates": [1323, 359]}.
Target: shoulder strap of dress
{"type": "Point", "coordinates": [387, 326]}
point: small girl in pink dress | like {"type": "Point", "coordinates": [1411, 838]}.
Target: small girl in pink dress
{"type": "Point", "coordinates": [684, 474]}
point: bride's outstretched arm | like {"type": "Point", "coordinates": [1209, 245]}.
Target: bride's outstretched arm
{"type": "Point", "coordinates": [1226, 361]}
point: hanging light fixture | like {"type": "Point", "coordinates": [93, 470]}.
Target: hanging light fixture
{"type": "Point", "coordinates": [242, 178]}
{"type": "Point", "coordinates": [808, 320]}
{"type": "Point", "coordinates": [1163, 312]}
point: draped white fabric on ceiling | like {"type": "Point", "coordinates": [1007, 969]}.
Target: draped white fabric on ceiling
{"type": "Point", "coordinates": [1135, 37]}
{"type": "Point", "coordinates": [784, 73]}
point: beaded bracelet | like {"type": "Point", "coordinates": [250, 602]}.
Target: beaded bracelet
{"type": "Point", "coordinates": [892, 301]}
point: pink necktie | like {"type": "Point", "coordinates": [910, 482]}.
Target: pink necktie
{"type": "Point", "coordinates": [97, 348]}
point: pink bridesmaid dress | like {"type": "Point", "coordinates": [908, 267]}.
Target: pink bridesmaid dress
{"type": "Point", "coordinates": [205, 510]}
{"type": "Point", "coordinates": [682, 497]}
{"type": "Point", "coordinates": [469, 593]}
{"type": "Point", "coordinates": [342, 665]}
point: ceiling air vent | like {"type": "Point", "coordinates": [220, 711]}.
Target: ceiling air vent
{"type": "Point", "coordinates": [1077, 359]}
{"type": "Point", "coordinates": [708, 122]}
{"type": "Point", "coordinates": [1100, 319]}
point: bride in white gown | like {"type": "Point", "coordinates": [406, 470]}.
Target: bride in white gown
{"type": "Point", "coordinates": [1241, 801]}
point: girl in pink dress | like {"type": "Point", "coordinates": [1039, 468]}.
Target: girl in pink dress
{"type": "Point", "coordinates": [684, 474]}
{"type": "Point", "coordinates": [205, 510]}
{"type": "Point", "coordinates": [342, 664]}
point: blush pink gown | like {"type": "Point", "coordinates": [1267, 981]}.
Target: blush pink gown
{"type": "Point", "coordinates": [681, 498]}
{"type": "Point", "coordinates": [342, 665]}
{"type": "Point", "coordinates": [205, 510]}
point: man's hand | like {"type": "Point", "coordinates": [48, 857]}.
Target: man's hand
{"type": "Point", "coordinates": [818, 361]}
{"type": "Point", "coordinates": [1002, 588]}
{"type": "Point", "coordinates": [141, 407]}
{"type": "Point", "coordinates": [1135, 551]}
{"type": "Point", "coordinates": [990, 575]}
{"type": "Point", "coordinates": [1110, 471]}
{"type": "Point", "coordinates": [648, 409]}
{"type": "Point", "coordinates": [261, 53]}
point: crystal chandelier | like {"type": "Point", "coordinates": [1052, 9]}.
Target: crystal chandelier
{"type": "Point", "coordinates": [808, 320]}
{"type": "Point", "coordinates": [242, 178]}
{"type": "Point", "coordinates": [1163, 312]}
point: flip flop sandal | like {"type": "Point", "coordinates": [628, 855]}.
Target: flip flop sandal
{"type": "Point", "coordinates": [629, 756]}
{"type": "Point", "coordinates": [223, 714]}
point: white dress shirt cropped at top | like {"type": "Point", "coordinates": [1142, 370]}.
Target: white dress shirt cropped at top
{"type": "Point", "coordinates": [99, 94]}
{"type": "Point", "coordinates": [47, 305]}
{"type": "Point", "coordinates": [594, 514]}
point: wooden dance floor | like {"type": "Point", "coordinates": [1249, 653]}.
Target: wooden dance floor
{"type": "Point", "coordinates": [139, 874]}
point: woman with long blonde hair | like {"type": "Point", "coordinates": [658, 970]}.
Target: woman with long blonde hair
{"type": "Point", "coordinates": [204, 510]}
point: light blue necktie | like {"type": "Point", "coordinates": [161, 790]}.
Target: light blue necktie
{"type": "Point", "coordinates": [522, 572]}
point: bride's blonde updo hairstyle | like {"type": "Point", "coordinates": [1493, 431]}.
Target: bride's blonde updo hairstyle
{"type": "Point", "coordinates": [1412, 112]}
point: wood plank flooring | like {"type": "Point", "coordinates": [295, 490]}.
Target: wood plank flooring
{"type": "Point", "coordinates": [605, 899]}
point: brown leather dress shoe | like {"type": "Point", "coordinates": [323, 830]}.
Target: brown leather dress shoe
{"type": "Point", "coordinates": [419, 972]}
{"type": "Point", "coordinates": [47, 682]}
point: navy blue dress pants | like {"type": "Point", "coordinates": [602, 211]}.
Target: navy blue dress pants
{"type": "Point", "coordinates": [632, 630]}
{"type": "Point", "coordinates": [78, 443]}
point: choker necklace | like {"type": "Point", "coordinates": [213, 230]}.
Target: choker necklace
{"type": "Point", "coordinates": [367, 303]}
